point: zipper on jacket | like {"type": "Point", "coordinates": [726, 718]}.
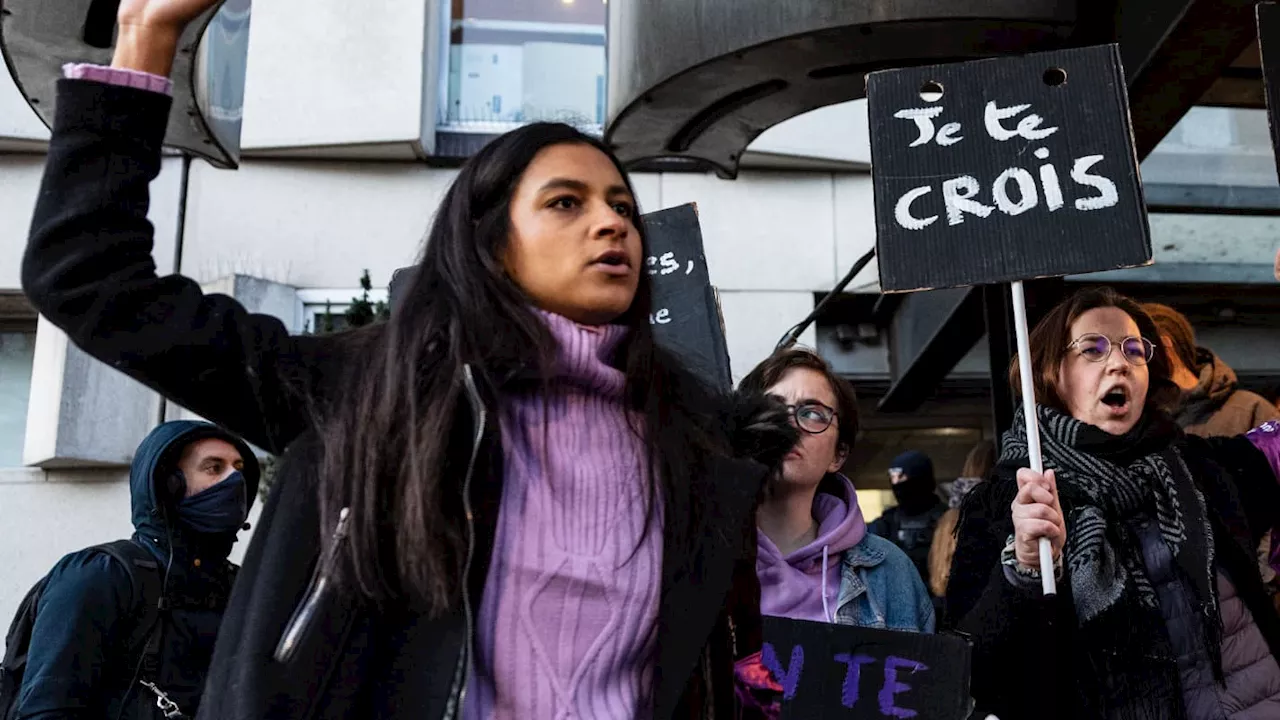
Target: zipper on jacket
{"type": "Point", "coordinates": [462, 671]}
{"type": "Point", "coordinates": [305, 614]}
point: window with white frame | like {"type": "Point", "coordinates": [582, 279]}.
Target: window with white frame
{"type": "Point", "coordinates": [517, 61]}
{"type": "Point", "coordinates": [324, 309]}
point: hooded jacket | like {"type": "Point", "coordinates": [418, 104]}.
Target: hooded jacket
{"type": "Point", "coordinates": [846, 575]}
{"type": "Point", "coordinates": [1217, 406]}
{"type": "Point", "coordinates": [803, 584]}
{"type": "Point", "coordinates": [77, 666]}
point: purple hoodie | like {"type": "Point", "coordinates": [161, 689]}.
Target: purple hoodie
{"type": "Point", "coordinates": [806, 584]}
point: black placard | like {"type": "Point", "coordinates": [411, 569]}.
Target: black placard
{"type": "Point", "coordinates": [847, 672]}
{"type": "Point", "coordinates": [1269, 47]}
{"type": "Point", "coordinates": [685, 314]}
{"type": "Point", "coordinates": [1022, 167]}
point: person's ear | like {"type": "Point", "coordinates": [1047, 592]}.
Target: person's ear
{"type": "Point", "coordinates": [842, 454]}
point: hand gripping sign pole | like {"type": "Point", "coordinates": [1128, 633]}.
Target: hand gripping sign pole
{"type": "Point", "coordinates": [1047, 582]}
{"type": "Point", "coordinates": [1005, 170]}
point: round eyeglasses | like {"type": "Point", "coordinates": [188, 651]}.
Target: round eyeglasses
{"type": "Point", "coordinates": [1096, 348]}
{"type": "Point", "coordinates": [812, 417]}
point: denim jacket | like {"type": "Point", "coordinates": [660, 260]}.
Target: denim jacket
{"type": "Point", "coordinates": [880, 588]}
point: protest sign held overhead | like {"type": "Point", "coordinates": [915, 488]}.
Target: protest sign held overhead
{"type": "Point", "coordinates": [684, 313]}
{"type": "Point", "coordinates": [849, 672]}
{"type": "Point", "coordinates": [1005, 169]}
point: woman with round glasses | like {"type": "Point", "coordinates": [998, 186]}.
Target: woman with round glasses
{"type": "Point", "coordinates": [815, 558]}
{"type": "Point", "coordinates": [1160, 612]}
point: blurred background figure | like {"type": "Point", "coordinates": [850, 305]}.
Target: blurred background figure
{"type": "Point", "coordinates": [977, 466]}
{"type": "Point", "coordinates": [911, 523]}
{"type": "Point", "coordinates": [1211, 402]}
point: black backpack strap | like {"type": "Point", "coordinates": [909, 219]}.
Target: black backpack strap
{"type": "Point", "coordinates": [148, 594]}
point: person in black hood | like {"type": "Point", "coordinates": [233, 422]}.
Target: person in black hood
{"type": "Point", "coordinates": [910, 525]}
{"type": "Point", "coordinates": [191, 485]}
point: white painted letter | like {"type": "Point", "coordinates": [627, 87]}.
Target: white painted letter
{"type": "Point", "coordinates": [1026, 191]}
{"type": "Point", "coordinates": [955, 196]}
{"type": "Point", "coordinates": [924, 121]}
{"type": "Point", "coordinates": [662, 317]}
{"type": "Point", "coordinates": [946, 135]}
{"type": "Point", "coordinates": [1027, 127]}
{"type": "Point", "coordinates": [902, 210]}
{"type": "Point", "coordinates": [1049, 179]}
{"type": "Point", "coordinates": [1106, 196]}
{"type": "Point", "coordinates": [669, 264]}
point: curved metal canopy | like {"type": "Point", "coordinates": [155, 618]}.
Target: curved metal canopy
{"type": "Point", "coordinates": [38, 37]}
{"type": "Point", "coordinates": [700, 79]}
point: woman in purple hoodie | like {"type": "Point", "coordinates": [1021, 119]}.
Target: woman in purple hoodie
{"type": "Point", "coordinates": [815, 558]}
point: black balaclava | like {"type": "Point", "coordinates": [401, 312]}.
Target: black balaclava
{"type": "Point", "coordinates": [919, 491]}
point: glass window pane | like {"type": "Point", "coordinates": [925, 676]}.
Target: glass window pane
{"type": "Point", "coordinates": [518, 61]}
{"type": "Point", "coordinates": [17, 350]}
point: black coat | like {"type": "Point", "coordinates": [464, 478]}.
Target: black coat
{"type": "Point", "coordinates": [88, 268]}
{"type": "Point", "coordinates": [1030, 659]}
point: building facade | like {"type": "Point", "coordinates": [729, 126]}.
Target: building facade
{"type": "Point", "coordinates": [356, 117]}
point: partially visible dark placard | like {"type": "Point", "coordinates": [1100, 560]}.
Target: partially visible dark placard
{"type": "Point", "coordinates": [1005, 169]}
{"type": "Point", "coordinates": [685, 313]}
{"type": "Point", "coordinates": [1269, 45]}
{"type": "Point", "coordinates": [852, 673]}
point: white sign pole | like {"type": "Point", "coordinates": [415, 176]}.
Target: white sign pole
{"type": "Point", "coordinates": [1033, 426]}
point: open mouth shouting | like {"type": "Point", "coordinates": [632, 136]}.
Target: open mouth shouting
{"type": "Point", "coordinates": [1117, 401]}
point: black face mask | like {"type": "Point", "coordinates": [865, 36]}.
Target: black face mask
{"type": "Point", "coordinates": [216, 510]}
{"type": "Point", "coordinates": [916, 494]}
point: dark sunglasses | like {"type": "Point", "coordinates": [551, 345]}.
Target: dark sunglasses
{"type": "Point", "coordinates": [1097, 348]}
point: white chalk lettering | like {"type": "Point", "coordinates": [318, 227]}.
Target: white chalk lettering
{"type": "Point", "coordinates": [902, 210]}
{"type": "Point", "coordinates": [947, 134]}
{"type": "Point", "coordinates": [662, 317]}
{"type": "Point", "coordinates": [669, 264]}
{"type": "Point", "coordinates": [1027, 198]}
{"type": "Point", "coordinates": [1027, 126]}
{"type": "Point", "coordinates": [923, 118]}
{"type": "Point", "coordinates": [1106, 196]}
{"type": "Point", "coordinates": [1049, 180]}
{"type": "Point", "coordinates": [956, 194]}
{"type": "Point", "coordinates": [686, 272]}
{"type": "Point", "coordinates": [963, 195]}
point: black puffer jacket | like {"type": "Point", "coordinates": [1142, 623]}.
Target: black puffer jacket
{"type": "Point", "coordinates": [291, 646]}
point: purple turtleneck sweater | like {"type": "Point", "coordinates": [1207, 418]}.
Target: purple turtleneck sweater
{"type": "Point", "coordinates": [568, 617]}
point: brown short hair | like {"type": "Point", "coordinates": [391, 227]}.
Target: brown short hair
{"type": "Point", "coordinates": [1174, 325]}
{"type": "Point", "coordinates": [1050, 338]}
{"type": "Point", "coordinates": [770, 372]}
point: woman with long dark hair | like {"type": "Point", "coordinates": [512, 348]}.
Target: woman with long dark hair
{"type": "Point", "coordinates": [506, 502]}
{"type": "Point", "coordinates": [1160, 612]}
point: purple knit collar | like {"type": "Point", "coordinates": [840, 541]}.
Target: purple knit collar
{"type": "Point", "coordinates": [585, 354]}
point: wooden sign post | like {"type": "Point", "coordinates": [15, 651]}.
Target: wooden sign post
{"type": "Point", "coordinates": [1005, 170]}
